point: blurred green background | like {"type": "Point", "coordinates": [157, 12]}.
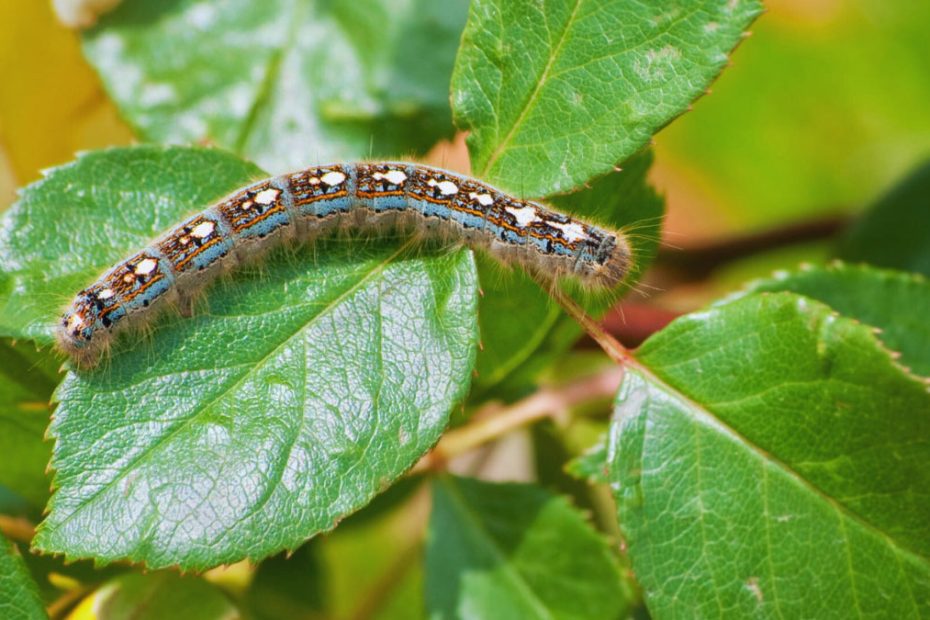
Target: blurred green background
{"type": "Point", "coordinates": [823, 108]}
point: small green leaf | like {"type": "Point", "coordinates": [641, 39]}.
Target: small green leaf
{"type": "Point", "coordinates": [373, 566]}
{"type": "Point", "coordinates": [895, 231]}
{"type": "Point", "coordinates": [283, 82]}
{"type": "Point", "coordinates": [289, 585]}
{"type": "Point", "coordinates": [516, 551]}
{"type": "Point", "coordinates": [520, 323]}
{"type": "Point", "coordinates": [27, 379]}
{"type": "Point", "coordinates": [775, 455]}
{"type": "Point", "coordinates": [302, 392]}
{"type": "Point", "coordinates": [593, 465]}
{"type": "Point", "coordinates": [19, 596]}
{"type": "Point", "coordinates": [897, 303]}
{"type": "Point", "coordinates": [555, 93]}
{"type": "Point", "coordinates": [162, 595]}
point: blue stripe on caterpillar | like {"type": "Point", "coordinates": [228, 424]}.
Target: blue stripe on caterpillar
{"type": "Point", "coordinates": [303, 204]}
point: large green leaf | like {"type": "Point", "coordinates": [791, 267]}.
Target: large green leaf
{"type": "Point", "coordinates": [161, 595]}
{"type": "Point", "coordinates": [521, 326]}
{"type": "Point", "coordinates": [770, 460]}
{"type": "Point", "coordinates": [304, 390]}
{"type": "Point", "coordinates": [516, 551]}
{"type": "Point", "coordinates": [283, 82]}
{"type": "Point", "coordinates": [895, 231]}
{"type": "Point", "coordinates": [897, 303]}
{"type": "Point", "coordinates": [27, 379]}
{"type": "Point", "coordinates": [555, 93]}
{"type": "Point", "coordinates": [19, 596]}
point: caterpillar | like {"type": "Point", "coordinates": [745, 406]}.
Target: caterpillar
{"type": "Point", "coordinates": [304, 204]}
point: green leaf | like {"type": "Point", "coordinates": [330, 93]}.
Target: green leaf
{"type": "Point", "coordinates": [895, 231]}
{"type": "Point", "coordinates": [516, 551]}
{"type": "Point", "coordinates": [296, 398]}
{"type": "Point", "coordinates": [19, 596]}
{"type": "Point", "coordinates": [593, 465]}
{"type": "Point", "coordinates": [27, 379]}
{"type": "Point", "coordinates": [555, 93]}
{"type": "Point", "coordinates": [521, 326]}
{"type": "Point", "coordinates": [115, 201]}
{"type": "Point", "coordinates": [161, 595]}
{"type": "Point", "coordinates": [289, 585]}
{"type": "Point", "coordinates": [770, 460]}
{"type": "Point", "coordinates": [897, 303]}
{"type": "Point", "coordinates": [373, 566]}
{"type": "Point", "coordinates": [283, 82]}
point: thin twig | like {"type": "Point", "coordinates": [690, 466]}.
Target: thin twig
{"type": "Point", "coordinates": [17, 528]}
{"type": "Point", "coordinates": [699, 262]}
{"type": "Point", "coordinates": [545, 402]}
{"type": "Point", "coordinates": [66, 602]}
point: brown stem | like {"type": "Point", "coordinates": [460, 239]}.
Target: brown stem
{"type": "Point", "coordinates": [17, 528]}
{"type": "Point", "coordinates": [545, 402]}
{"type": "Point", "coordinates": [699, 262]}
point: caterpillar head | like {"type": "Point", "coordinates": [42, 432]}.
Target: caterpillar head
{"type": "Point", "coordinates": [84, 329]}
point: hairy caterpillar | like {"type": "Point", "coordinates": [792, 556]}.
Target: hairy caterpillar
{"type": "Point", "coordinates": [302, 205]}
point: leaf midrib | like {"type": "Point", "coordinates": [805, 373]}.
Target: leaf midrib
{"type": "Point", "coordinates": [272, 75]}
{"type": "Point", "coordinates": [534, 96]}
{"type": "Point", "coordinates": [222, 393]}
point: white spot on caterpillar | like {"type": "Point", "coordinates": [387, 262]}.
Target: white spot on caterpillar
{"type": "Point", "coordinates": [314, 180]}
{"type": "Point", "coordinates": [333, 178]}
{"type": "Point", "coordinates": [203, 230]}
{"type": "Point", "coordinates": [485, 200]}
{"type": "Point", "coordinates": [525, 215]}
{"type": "Point", "coordinates": [106, 293]}
{"type": "Point", "coordinates": [75, 321]}
{"type": "Point", "coordinates": [267, 196]}
{"type": "Point", "coordinates": [572, 230]}
{"type": "Point", "coordinates": [245, 206]}
{"type": "Point", "coordinates": [146, 266]}
{"type": "Point", "coordinates": [395, 177]}
{"type": "Point", "coordinates": [446, 188]}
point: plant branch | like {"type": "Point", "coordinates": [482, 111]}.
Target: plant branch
{"type": "Point", "coordinates": [17, 528]}
{"type": "Point", "coordinates": [492, 422]}
{"type": "Point", "coordinates": [699, 262]}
